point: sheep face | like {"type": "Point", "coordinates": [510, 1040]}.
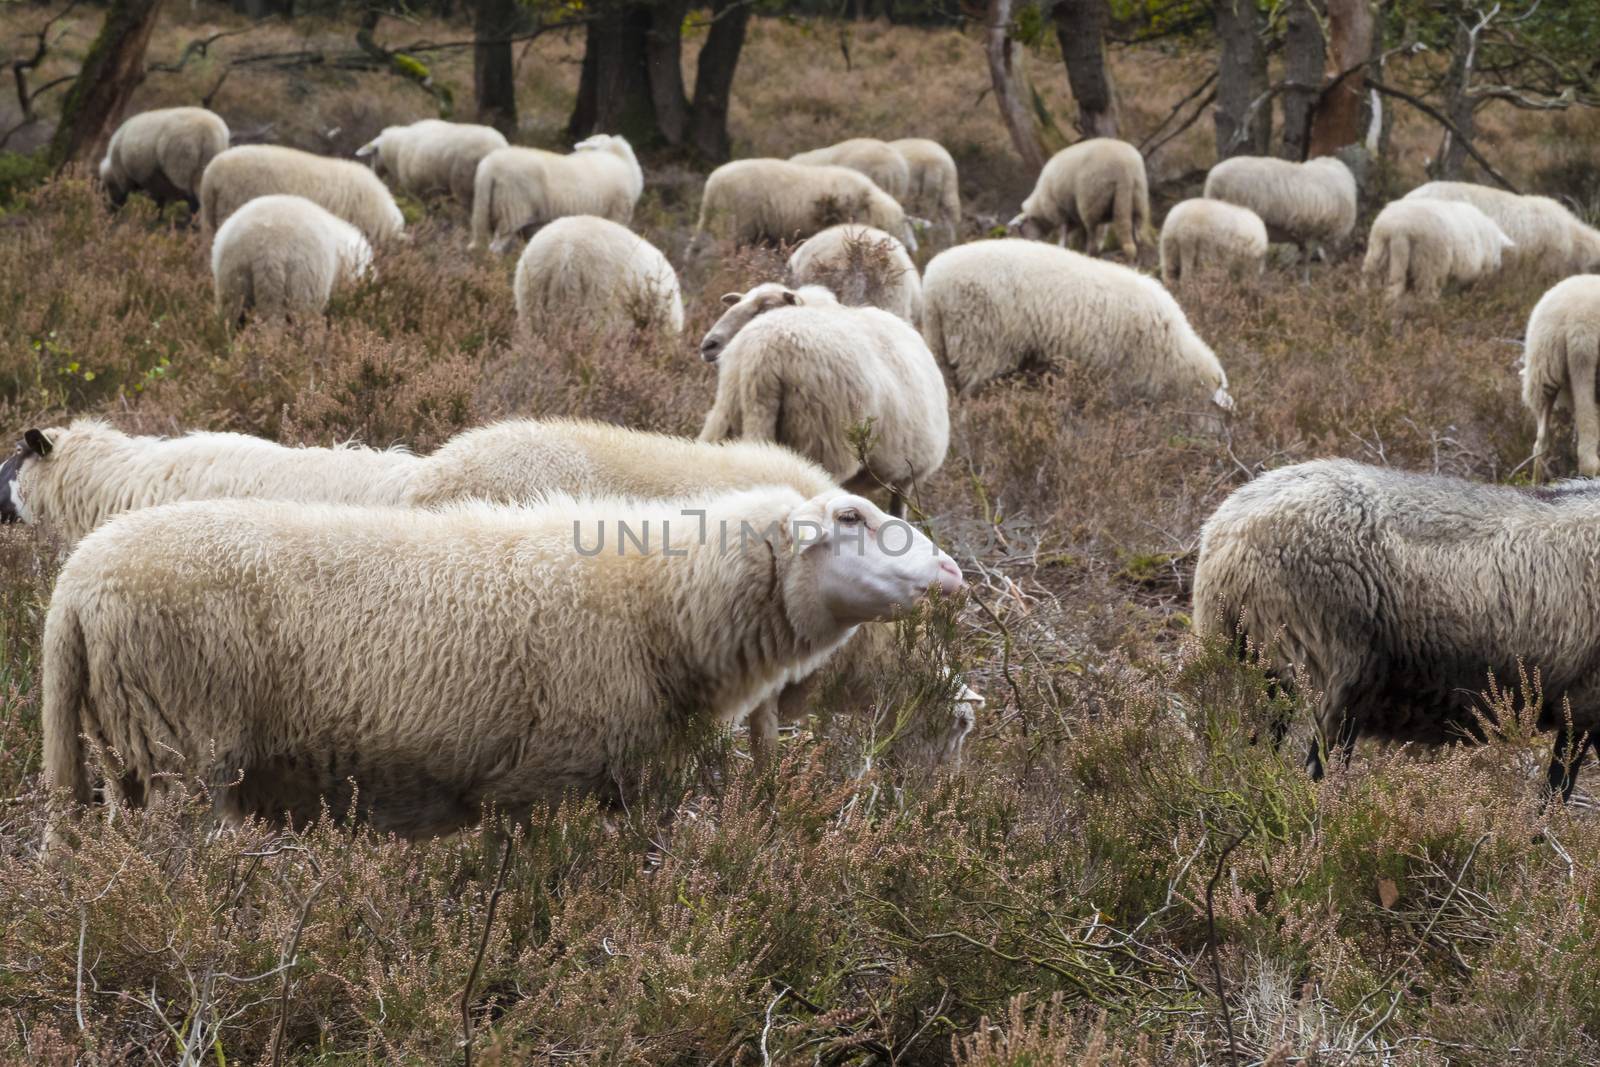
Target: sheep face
{"type": "Point", "coordinates": [859, 565]}
{"type": "Point", "coordinates": [742, 307]}
{"type": "Point", "coordinates": [1028, 226]}
{"type": "Point", "coordinates": [34, 445]}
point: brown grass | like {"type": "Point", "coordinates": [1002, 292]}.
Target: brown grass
{"type": "Point", "coordinates": [1045, 905]}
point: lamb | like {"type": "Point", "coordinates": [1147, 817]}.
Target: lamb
{"type": "Point", "coordinates": [70, 479]}
{"type": "Point", "coordinates": [283, 256]}
{"type": "Point", "coordinates": [878, 160]}
{"type": "Point", "coordinates": [805, 375]}
{"type": "Point", "coordinates": [345, 188]}
{"type": "Point", "coordinates": [935, 190]}
{"type": "Point", "coordinates": [1311, 204]}
{"type": "Point", "coordinates": [864, 266]}
{"type": "Point", "coordinates": [1085, 187]}
{"type": "Point", "coordinates": [432, 156]}
{"type": "Point", "coordinates": [1198, 233]}
{"type": "Point", "coordinates": [1547, 236]}
{"type": "Point", "coordinates": [447, 661]}
{"type": "Point", "coordinates": [1426, 243]}
{"type": "Point", "coordinates": [589, 269]}
{"type": "Point", "coordinates": [992, 308]}
{"type": "Point", "coordinates": [163, 153]}
{"type": "Point", "coordinates": [1398, 594]}
{"type": "Point", "coordinates": [518, 190]}
{"type": "Point", "coordinates": [752, 200]}
{"type": "Point", "coordinates": [1558, 370]}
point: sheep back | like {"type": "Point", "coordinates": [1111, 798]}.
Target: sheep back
{"type": "Point", "coordinates": [517, 190]}
{"type": "Point", "coordinates": [861, 267]}
{"type": "Point", "coordinates": [878, 160]}
{"type": "Point", "coordinates": [752, 200]}
{"type": "Point", "coordinates": [587, 269]}
{"type": "Point", "coordinates": [1425, 244]}
{"type": "Point", "coordinates": [1303, 203]}
{"type": "Point", "coordinates": [1093, 183]}
{"type": "Point", "coordinates": [283, 256]}
{"type": "Point", "coordinates": [341, 186]}
{"type": "Point", "coordinates": [163, 153]}
{"type": "Point", "coordinates": [1545, 235]}
{"type": "Point", "coordinates": [992, 307]}
{"type": "Point", "coordinates": [1200, 232]}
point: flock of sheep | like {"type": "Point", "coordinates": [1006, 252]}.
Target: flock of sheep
{"type": "Point", "coordinates": [483, 651]}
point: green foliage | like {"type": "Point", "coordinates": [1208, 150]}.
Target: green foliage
{"type": "Point", "coordinates": [20, 172]}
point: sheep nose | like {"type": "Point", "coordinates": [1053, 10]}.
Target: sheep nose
{"type": "Point", "coordinates": [950, 579]}
{"type": "Point", "coordinates": [709, 349]}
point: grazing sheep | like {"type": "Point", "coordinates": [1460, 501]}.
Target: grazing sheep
{"type": "Point", "coordinates": [432, 156]}
{"type": "Point", "coordinates": [992, 308]}
{"type": "Point", "coordinates": [1311, 204]}
{"type": "Point", "coordinates": [1424, 244]}
{"type": "Point", "coordinates": [1201, 233]}
{"type": "Point", "coordinates": [163, 153]}
{"type": "Point", "coordinates": [591, 270]}
{"type": "Point", "coordinates": [805, 375]}
{"type": "Point", "coordinates": [1547, 236]}
{"type": "Point", "coordinates": [341, 186]}
{"type": "Point", "coordinates": [863, 266]}
{"type": "Point", "coordinates": [1559, 368]}
{"type": "Point", "coordinates": [283, 256]}
{"type": "Point", "coordinates": [518, 190]}
{"type": "Point", "coordinates": [1398, 594]}
{"type": "Point", "coordinates": [878, 160]}
{"type": "Point", "coordinates": [1086, 187]}
{"type": "Point", "coordinates": [752, 200]}
{"type": "Point", "coordinates": [935, 190]}
{"type": "Point", "coordinates": [70, 479]}
{"type": "Point", "coordinates": [519, 460]}
{"type": "Point", "coordinates": [446, 661]}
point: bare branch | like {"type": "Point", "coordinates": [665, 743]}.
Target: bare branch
{"type": "Point", "coordinates": [1434, 114]}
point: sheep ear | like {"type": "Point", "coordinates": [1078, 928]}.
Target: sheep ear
{"type": "Point", "coordinates": [791, 297]}
{"type": "Point", "coordinates": [730, 299]}
{"type": "Point", "coordinates": [366, 150]}
{"type": "Point", "coordinates": [38, 443]}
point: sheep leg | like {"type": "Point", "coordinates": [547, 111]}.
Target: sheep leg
{"type": "Point", "coordinates": [897, 504]}
{"type": "Point", "coordinates": [1541, 439]}
{"type": "Point", "coordinates": [1336, 728]}
{"type": "Point", "coordinates": [1581, 368]}
{"type": "Point", "coordinates": [763, 722]}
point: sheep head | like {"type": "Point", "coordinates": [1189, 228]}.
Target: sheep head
{"type": "Point", "coordinates": [856, 564]}
{"type": "Point", "coordinates": [35, 445]}
{"type": "Point", "coordinates": [743, 307]}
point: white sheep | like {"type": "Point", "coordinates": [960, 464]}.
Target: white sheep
{"type": "Point", "coordinates": [935, 190]}
{"type": "Point", "coordinates": [518, 190]}
{"type": "Point", "coordinates": [1559, 367]}
{"type": "Point", "coordinates": [1547, 236]}
{"type": "Point", "coordinates": [1198, 234]}
{"type": "Point", "coordinates": [163, 153]}
{"type": "Point", "coordinates": [863, 267]}
{"type": "Point", "coordinates": [347, 189]}
{"type": "Point", "coordinates": [283, 256]}
{"type": "Point", "coordinates": [1425, 244]}
{"type": "Point", "coordinates": [432, 156]}
{"type": "Point", "coordinates": [991, 308]}
{"type": "Point", "coordinates": [1311, 204]}
{"type": "Point", "coordinates": [1399, 593]}
{"type": "Point", "coordinates": [1086, 187]}
{"type": "Point", "coordinates": [878, 160]}
{"type": "Point", "coordinates": [807, 374]}
{"type": "Point", "coordinates": [753, 200]}
{"type": "Point", "coordinates": [425, 665]}
{"type": "Point", "coordinates": [591, 270]}
{"type": "Point", "coordinates": [70, 479]}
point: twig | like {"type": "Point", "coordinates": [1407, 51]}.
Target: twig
{"type": "Point", "coordinates": [1434, 114]}
{"type": "Point", "coordinates": [483, 949]}
{"type": "Point", "coordinates": [1211, 942]}
{"type": "Point", "coordinates": [1005, 655]}
{"type": "Point", "coordinates": [1176, 108]}
{"type": "Point", "coordinates": [77, 999]}
{"type": "Point", "coordinates": [767, 1027]}
{"type": "Point", "coordinates": [288, 973]}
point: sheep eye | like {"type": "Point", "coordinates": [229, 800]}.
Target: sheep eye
{"type": "Point", "coordinates": [848, 517]}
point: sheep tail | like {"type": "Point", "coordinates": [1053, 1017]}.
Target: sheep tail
{"type": "Point", "coordinates": [66, 694]}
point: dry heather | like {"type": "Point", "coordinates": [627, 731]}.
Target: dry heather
{"type": "Point", "coordinates": [1115, 842]}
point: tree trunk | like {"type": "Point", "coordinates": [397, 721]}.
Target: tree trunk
{"type": "Point", "coordinates": [1241, 80]}
{"type": "Point", "coordinates": [112, 70]}
{"type": "Point", "coordinates": [1339, 118]}
{"type": "Point", "coordinates": [1010, 86]}
{"type": "Point", "coordinates": [1305, 53]}
{"type": "Point", "coordinates": [1081, 29]}
{"type": "Point", "coordinates": [664, 68]}
{"type": "Point", "coordinates": [493, 73]}
{"type": "Point", "coordinates": [614, 87]}
{"type": "Point", "coordinates": [713, 80]}
{"type": "Point", "coordinates": [1451, 159]}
